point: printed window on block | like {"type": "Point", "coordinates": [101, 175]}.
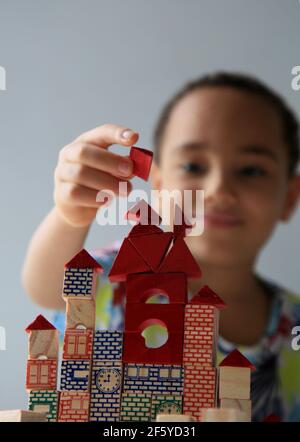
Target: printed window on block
{"type": "Point", "coordinates": [164, 373]}
{"type": "Point", "coordinates": [175, 373]}
{"type": "Point", "coordinates": [132, 372]}
{"type": "Point", "coordinates": [143, 372]}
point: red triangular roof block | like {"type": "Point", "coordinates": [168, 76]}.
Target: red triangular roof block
{"type": "Point", "coordinates": [143, 213]}
{"type": "Point", "coordinates": [152, 248]}
{"type": "Point", "coordinates": [126, 262]}
{"type": "Point", "coordinates": [182, 223]}
{"type": "Point", "coordinates": [40, 323]}
{"type": "Point", "coordinates": [83, 260]}
{"type": "Point", "coordinates": [180, 259]}
{"type": "Point", "coordinates": [236, 359]}
{"type": "Point", "coordinates": [139, 229]}
{"type": "Point", "coordinates": [206, 296]}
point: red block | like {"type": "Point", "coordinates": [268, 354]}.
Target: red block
{"type": "Point", "coordinates": [199, 389]}
{"type": "Point", "coordinates": [127, 261]}
{"type": "Point", "coordinates": [142, 286]}
{"type": "Point", "coordinates": [142, 160]}
{"type": "Point", "coordinates": [41, 374]}
{"type": "Point", "coordinates": [143, 213]}
{"type": "Point", "coordinates": [74, 406]}
{"type": "Point", "coordinates": [140, 316]}
{"type": "Point", "coordinates": [152, 248]}
{"type": "Point", "coordinates": [180, 259]}
{"type": "Point", "coordinates": [78, 344]}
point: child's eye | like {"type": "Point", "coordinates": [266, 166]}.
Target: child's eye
{"type": "Point", "coordinates": [193, 168]}
{"type": "Point", "coordinates": [252, 171]}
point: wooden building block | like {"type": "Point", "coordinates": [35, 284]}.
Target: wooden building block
{"type": "Point", "coordinates": [142, 160]}
{"type": "Point", "coordinates": [199, 389]}
{"type": "Point", "coordinates": [107, 345]}
{"type": "Point", "coordinates": [80, 313]}
{"type": "Point", "coordinates": [136, 407]}
{"type": "Point", "coordinates": [221, 415]}
{"type": "Point", "coordinates": [78, 344]}
{"type": "Point", "coordinates": [163, 404]}
{"type": "Point", "coordinates": [158, 379]}
{"type": "Point", "coordinates": [44, 401]}
{"type": "Point", "coordinates": [234, 383]}
{"type": "Point", "coordinates": [41, 374]}
{"type": "Point", "coordinates": [106, 391]}
{"type": "Point", "coordinates": [242, 405]}
{"type": "Point", "coordinates": [21, 416]}
{"type": "Point", "coordinates": [74, 406]}
{"type": "Point", "coordinates": [140, 316]}
{"type": "Point", "coordinates": [75, 375]}
{"type": "Point", "coordinates": [80, 276]}
{"type": "Point", "coordinates": [43, 343]}
{"type": "Point", "coordinates": [175, 418]}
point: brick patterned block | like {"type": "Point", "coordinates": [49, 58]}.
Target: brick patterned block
{"type": "Point", "coordinates": [44, 401]}
{"type": "Point", "coordinates": [41, 374]}
{"type": "Point", "coordinates": [153, 378]}
{"type": "Point", "coordinates": [199, 389]}
{"type": "Point", "coordinates": [79, 283]}
{"type": "Point", "coordinates": [200, 335]}
{"type": "Point", "coordinates": [136, 407]}
{"type": "Point", "coordinates": [165, 404]}
{"type": "Point", "coordinates": [75, 375]}
{"type": "Point", "coordinates": [106, 391]}
{"type": "Point", "coordinates": [73, 406]}
{"type": "Point", "coordinates": [78, 344]}
{"type": "Point", "coordinates": [107, 345]}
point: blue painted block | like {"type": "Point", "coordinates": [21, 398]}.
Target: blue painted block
{"type": "Point", "coordinates": [75, 375]}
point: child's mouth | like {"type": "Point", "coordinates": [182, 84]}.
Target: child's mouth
{"type": "Point", "coordinates": [222, 220]}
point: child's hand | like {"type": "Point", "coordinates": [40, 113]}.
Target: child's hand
{"type": "Point", "coordinates": [86, 166]}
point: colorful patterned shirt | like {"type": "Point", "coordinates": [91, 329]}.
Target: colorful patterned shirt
{"type": "Point", "coordinates": [275, 384]}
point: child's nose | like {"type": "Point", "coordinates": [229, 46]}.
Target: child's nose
{"type": "Point", "coordinates": [221, 188]}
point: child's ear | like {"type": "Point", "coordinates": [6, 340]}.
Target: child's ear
{"type": "Point", "coordinates": [155, 176]}
{"type": "Point", "coordinates": [292, 197]}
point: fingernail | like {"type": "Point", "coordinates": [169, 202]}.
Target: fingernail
{"type": "Point", "coordinates": [125, 168]}
{"type": "Point", "coordinates": [126, 134]}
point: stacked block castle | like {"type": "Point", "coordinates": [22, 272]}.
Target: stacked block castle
{"type": "Point", "coordinates": [112, 375]}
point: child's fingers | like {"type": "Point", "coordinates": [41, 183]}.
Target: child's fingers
{"type": "Point", "coordinates": [108, 134]}
{"type": "Point", "coordinates": [89, 177]}
{"type": "Point", "coordinates": [101, 159]}
{"type": "Point", "coordinates": [75, 195]}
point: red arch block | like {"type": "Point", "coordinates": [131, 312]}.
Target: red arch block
{"type": "Point", "coordinates": [140, 316]}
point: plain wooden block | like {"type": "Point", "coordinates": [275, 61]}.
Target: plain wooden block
{"type": "Point", "coordinates": [21, 416]}
{"type": "Point", "coordinates": [43, 343]}
{"type": "Point", "coordinates": [175, 418]}
{"type": "Point", "coordinates": [80, 312]}
{"type": "Point", "coordinates": [220, 415]}
{"type": "Point", "coordinates": [234, 383]}
{"type": "Point", "coordinates": [242, 405]}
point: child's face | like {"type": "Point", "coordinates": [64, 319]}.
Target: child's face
{"type": "Point", "coordinates": [229, 143]}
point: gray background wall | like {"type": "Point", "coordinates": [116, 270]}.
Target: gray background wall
{"type": "Point", "coordinates": [75, 64]}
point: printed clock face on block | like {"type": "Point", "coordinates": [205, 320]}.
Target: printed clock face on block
{"type": "Point", "coordinates": [108, 380]}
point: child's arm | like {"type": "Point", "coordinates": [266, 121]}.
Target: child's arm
{"type": "Point", "coordinates": [84, 167]}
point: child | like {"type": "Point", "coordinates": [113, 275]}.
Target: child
{"type": "Point", "coordinates": [233, 137]}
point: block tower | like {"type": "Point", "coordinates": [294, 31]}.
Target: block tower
{"type": "Point", "coordinates": [79, 288]}
{"type": "Point", "coordinates": [199, 356]}
{"type": "Point", "coordinates": [152, 262]}
{"type": "Point", "coordinates": [235, 382]}
{"type": "Point", "coordinates": [41, 376]}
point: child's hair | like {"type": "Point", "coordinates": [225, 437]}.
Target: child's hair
{"type": "Point", "coordinates": [240, 82]}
